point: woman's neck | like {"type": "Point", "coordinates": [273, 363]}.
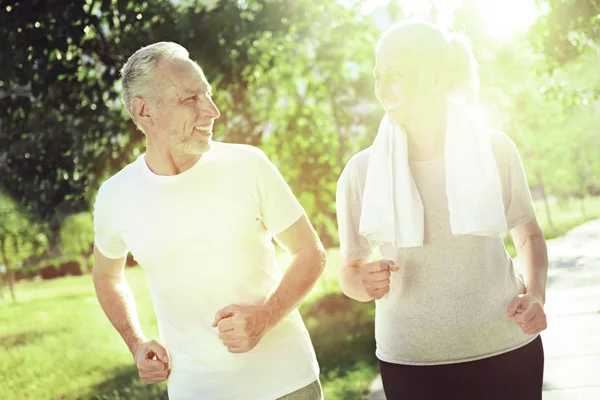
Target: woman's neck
{"type": "Point", "coordinates": [424, 145]}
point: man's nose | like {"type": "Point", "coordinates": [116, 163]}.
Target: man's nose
{"type": "Point", "coordinates": [209, 109]}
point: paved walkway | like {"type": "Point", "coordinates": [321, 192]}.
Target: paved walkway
{"type": "Point", "coordinates": [572, 340]}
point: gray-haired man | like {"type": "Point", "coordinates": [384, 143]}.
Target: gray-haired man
{"type": "Point", "coordinates": [199, 217]}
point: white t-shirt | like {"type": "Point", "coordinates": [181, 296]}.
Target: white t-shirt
{"type": "Point", "coordinates": [203, 238]}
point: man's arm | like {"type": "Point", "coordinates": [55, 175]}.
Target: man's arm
{"type": "Point", "coordinates": [308, 262]}
{"type": "Point", "coordinates": [116, 299]}
{"type": "Point", "coordinates": [528, 309]}
{"type": "Point", "coordinates": [242, 326]}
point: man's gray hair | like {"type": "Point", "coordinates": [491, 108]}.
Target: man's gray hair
{"type": "Point", "coordinates": [138, 72]}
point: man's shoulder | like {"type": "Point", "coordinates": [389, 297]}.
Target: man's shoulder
{"type": "Point", "coordinates": [123, 179]}
{"type": "Point", "coordinates": [245, 151]}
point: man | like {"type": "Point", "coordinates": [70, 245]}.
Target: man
{"type": "Point", "coordinates": [199, 217]}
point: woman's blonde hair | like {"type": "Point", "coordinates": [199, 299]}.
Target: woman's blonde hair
{"type": "Point", "coordinates": [433, 52]}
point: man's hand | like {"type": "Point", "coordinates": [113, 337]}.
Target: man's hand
{"type": "Point", "coordinates": [375, 277]}
{"type": "Point", "coordinates": [241, 326]}
{"type": "Point", "coordinates": [152, 362]}
{"type": "Point", "coordinates": [527, 311]}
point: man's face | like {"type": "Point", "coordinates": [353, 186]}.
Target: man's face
{"type": "Point", "coordinates": [183, 113]}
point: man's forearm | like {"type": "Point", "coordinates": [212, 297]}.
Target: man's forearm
{"type": "Point", "coordinates": [533, 256]}
{"type": "Point", "coordinates": [352, 286]}
{"type": "Point", "coordinates": [305, 269]}
{"type": "Point", "coordinates": [117, 301]}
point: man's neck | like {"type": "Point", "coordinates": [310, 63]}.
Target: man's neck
{"type": "Point", "coordinates": [168, 163]}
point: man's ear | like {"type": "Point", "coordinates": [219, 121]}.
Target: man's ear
{"type": "Point", "coordinates": [141, 110]}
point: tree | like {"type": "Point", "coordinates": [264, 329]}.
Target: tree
{"type": "Point", "coordinates": [566, 29]}
{"type": "Point", "coordinates": [66, 130]}
{"type": "Point", "coordinates": [20, 238]}
{"type": "Point", "coordinates": [77, 234]}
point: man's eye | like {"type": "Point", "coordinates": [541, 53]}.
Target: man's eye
{"type": "Point", "coordinates": [191, 98]}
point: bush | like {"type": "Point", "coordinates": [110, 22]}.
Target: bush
{"type": "Point", "coordinates": [342, 331]}
{"type": "Point", "coordinates": [71, 267]}
{"type": "Point", "coordinates": [26, 273]}
{"type": "Point", "coordinates": [49, 272]}
{"type": "Point", "coordinates": [343, 335]}
{"type": "Point", "coordinates": [353, 385]}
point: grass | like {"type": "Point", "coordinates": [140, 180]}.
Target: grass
{"type": "Point", "coordinates": [56, 343]}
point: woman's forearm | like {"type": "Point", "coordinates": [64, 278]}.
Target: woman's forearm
{"type": "Point", "coordinates": [533, 256]}
{"type": "Point", "coordinates": [351, 283]}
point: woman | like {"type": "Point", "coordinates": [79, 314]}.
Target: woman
{"type": "Point", "coordinates": [435, 194]}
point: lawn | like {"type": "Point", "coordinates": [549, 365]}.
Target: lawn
{"type": "Point", "coordinates": [56, 343]}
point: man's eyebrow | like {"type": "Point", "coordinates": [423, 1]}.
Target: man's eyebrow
{"type": "Point", "coordinates": [207, 89]}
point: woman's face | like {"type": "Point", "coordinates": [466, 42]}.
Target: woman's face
{"type": "Point", "coordinates": [390, 87]}
{"type": "Point", "coordinates": [405, 87]}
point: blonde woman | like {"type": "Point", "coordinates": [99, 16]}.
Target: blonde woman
{"type": "Point", "coordinates": [435, 194]}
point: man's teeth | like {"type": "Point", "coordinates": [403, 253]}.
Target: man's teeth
{"type": "Point", "coordinates": [202, 128]}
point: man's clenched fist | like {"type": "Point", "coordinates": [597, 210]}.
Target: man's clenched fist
{"type": "Point", "coordinates": [152, 362]}
{"type": "Point", "coordinates": [241, 326]}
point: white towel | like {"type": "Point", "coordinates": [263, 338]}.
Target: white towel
{"type": "Point", "coordinates": [392, 210]}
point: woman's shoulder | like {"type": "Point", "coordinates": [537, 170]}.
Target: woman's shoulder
{"type": "Point", "coordinates": [359, 161]}
{"type": "Point", "coordinates": [354, 173]}
{"type": "Point", "coordinates": [501, 141]}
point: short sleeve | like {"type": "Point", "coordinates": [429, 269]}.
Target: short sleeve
{"type": "Point", "coordinates": [348, 208]}
{"type": "Point", "coordinates": [279, 207]}
{"type": "Point", "coordinates": [518, 204]}
{"type": "Point", "coordinates": [107, 238]}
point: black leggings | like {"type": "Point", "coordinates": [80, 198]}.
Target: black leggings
{"type": "Point", "coordinates": [516, 375]}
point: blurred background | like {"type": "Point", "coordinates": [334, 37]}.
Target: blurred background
{"type": "Point", "coordinates": [293, 77]}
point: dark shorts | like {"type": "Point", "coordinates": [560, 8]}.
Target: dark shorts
{"type": "Point", "coordinates": [515, 375]}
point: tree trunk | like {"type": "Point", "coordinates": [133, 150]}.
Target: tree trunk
{"type": "Point", "coordinates": [545, 196]}
{"type": "Point", "coordinates": [9, 272]}
{"type": "Point", "coordinates": [11, 283]}
{"type": "Point", "coordinates": [1, 286]}
{"type": "Point", "coordinates": [582, 205]}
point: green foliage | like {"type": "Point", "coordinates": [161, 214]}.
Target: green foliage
{"type": "Point", "coordinates": [77, 233]}
{"type": "Point", "coordinates": [353, 385]}
{"type": "Point", "coordinates": [20, 237]}
{"type": "Point", "coordinates": [282, 81]}
{"type": "Point", "coordinates": [353, 325]}
{"type": "Point", "coordinates": [566, 29]}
